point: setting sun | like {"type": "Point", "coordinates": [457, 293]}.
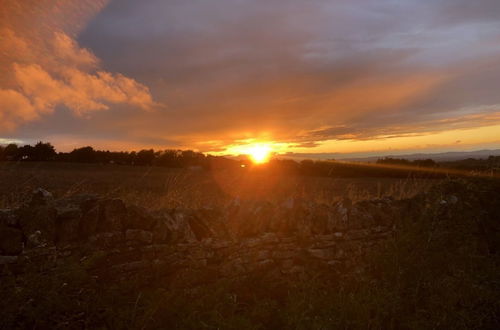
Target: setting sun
{"type": "Point", "coordinates": [259, 154]}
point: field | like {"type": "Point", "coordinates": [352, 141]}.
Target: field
{"type": "Point", "coordinates": [157, 187]}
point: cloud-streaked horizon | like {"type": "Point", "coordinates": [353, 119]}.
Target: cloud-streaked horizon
{"type": "Point", "coordinates": [303, 73]}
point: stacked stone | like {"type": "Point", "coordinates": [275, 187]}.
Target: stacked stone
{"type": "Point", "coordinates": [114, 239]}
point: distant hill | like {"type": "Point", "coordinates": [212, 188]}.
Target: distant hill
{"type": "Point", "coordinates": [438, 157]}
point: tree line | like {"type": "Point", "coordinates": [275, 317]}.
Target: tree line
{"type": "Point", "coordinates": [384, 167]}
{"type": "Point", "coordinates": [44, 151]}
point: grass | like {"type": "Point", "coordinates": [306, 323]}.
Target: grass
{"type": "Point", "coordinates": [155, 187]}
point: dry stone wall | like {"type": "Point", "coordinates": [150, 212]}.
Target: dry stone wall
{"type": "Point", "coordinates": [115, 240]}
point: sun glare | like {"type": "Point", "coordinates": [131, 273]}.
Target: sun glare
{"type": "Point", "coordinates": [259, 154]}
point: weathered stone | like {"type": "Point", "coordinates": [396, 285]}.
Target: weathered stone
{"type": "Point", "coordinates": [200, 254]}
{"type": "Point", "coordinates": [120, 256]}
{"type": "Point", "coordinates": [325, 254]}
{"type": "Point", "coordinates": [184, 247]}
{"type": "Point", "coordinates": [221, 245]}
{"type": "Point", "coordinates": [251, 242]}
{"type": "Point", "coordinates": [357, 234]}
{"type": "Point", "coordinates": [328, 237]}
{"type": "Point", "coordinates": [68, 212]}
{"type": "Point", "coordinates": [265, 264]}
{"type": "Point", "coordinates": [287, 264]}
{"type": "Point", "coordinates": [286, 221]}
{"type": "Point", "coordinates": [148, 248]}
{"type": "Point", "coordinates": [179, 227]}
{"type": "Point", "coordinates": [288, 239]}
{"type": "Point", "coordinates": [452, 199]}
{"type": "Point", "coordinates": [241, 222]}
{"type": "Point", "coordinates": [380, 229]}
{"type": "Point", "coordinates": [262, 213]}
{"type": "Point", "coordinates": [338, 219]}
{"type": "Point", "coordinates": [133, 266]}
{"type": "Point", "coordinates": [360, 216]}
{"type": "Point", "coordinates": [107, 240]}
{"type": "Point", "coordinates": [68, 225]}
{"type": "Point", "coordinates": [11, 241]}
{"type": "Point", "coordinates": [162, 229]}
{"type": "Point", "coordinates": [216, 220]}
{"type": "Point", "coordinates": [287, 254]}
{"type": "Point", "coordinates": [171, 258]}
{"type": "Point", "coordinates": [88, 223]}
{"type": "Point", "coordinates": [112, 215]}
{"type": "Point", "coordinates": [262, 254]}
{"type": "Point", "coordinates": [8, 217]}
{"type": "Point", "coordinates": [141, 236]}
{"type": "Point", "coordinates": [5, 260]}
{"type": "Point", "coordinates": [269, 238]}
{"type": "Point", "coordinates": [138, 218]}
{"type": "Point", "coordinates": [41, 197]}
{"type": "Point", "coordinates": [84, 202]}
{"type": "Point", "coordinates": [200, 229]}
{"type": "Point", "coordinates": [324, 244]}
{"type": "Point", "coordinates": [198, 263]}
{"type": "Point", "coordinates": [233, 268]}
{"type": "Point", "coordinates": [39, 252]}
{"type": "Point", "coordinates": [35, 240]}
{"type": "Point", "coordinates": [371, 213]}
{"type": "Point", "coordinates": [296, 270]}
{"type": "Point", "coordinates": [319, 219]}
{"type": "Point", "coordinates": [39, 223]}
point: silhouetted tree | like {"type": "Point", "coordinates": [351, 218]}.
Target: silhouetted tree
{"type": "Point", "coordinates": [11, 151]}
{"type": "Point", "coordinates": [168, 158]}
{"type": "Point", "coordinates": [26, 152]}
{"type": "Point", "coordinates": [42, 152]}
{"type": "Point", "coordinates": [83, 155]}
{"type": "Point", "coordinates": [145, 157]}
{"type": "Point", "coordinates": [191, 158]}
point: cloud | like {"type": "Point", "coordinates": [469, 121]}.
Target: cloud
{"type": "Point", "coordinates": [67, 51]}
{"type": "Point", "coordinates": [79, 91]}
{"type": "Point", "coordinates": [42, 72]}
{"type": "Point", "coordinates": [15, 109]}
{"type": "Point", "coordinates": [293, 71]}
{"type": "Point", "coordinates": [278, 70]}
{"type": "Point", "coordinates": [375, 130]}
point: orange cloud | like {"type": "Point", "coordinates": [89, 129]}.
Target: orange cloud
{"type": "Point", "coordinates": [15, 108]}
{"type": "Point", "coordinates": [80, 91]}
{"type": "Point", "coordinates": [386, 93]}
{"type": "Point", "coordinates": [66, 50]}
{"type": "Point", "coordinates": [43, 67]}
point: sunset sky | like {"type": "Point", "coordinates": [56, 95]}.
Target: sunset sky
{"type": "Point", "coordinates": [302, 76]}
